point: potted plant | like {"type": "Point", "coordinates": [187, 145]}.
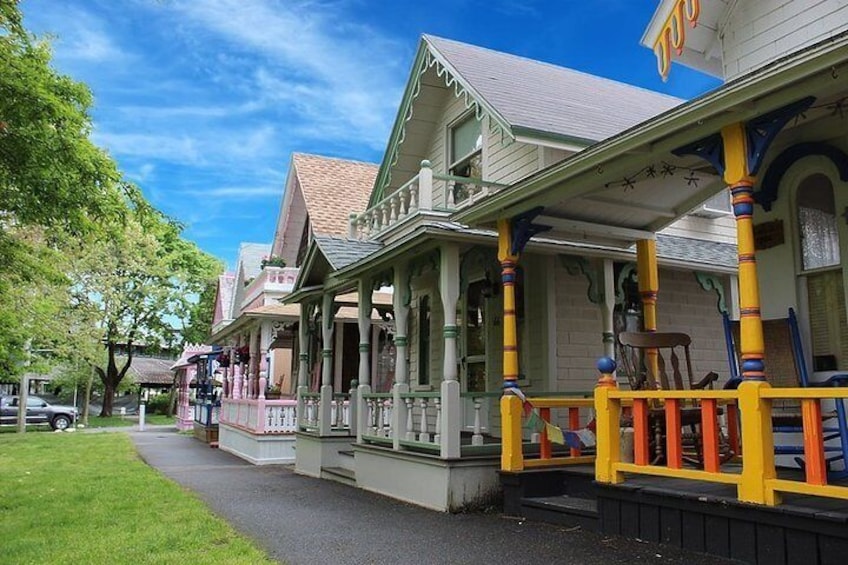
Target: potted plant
{"type": "Point", "coordinates": [274, 392]}
{"type": "Point", "coordinates": [272, 261]}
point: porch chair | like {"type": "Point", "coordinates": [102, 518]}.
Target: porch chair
{"type": "Point", "coordinates": [670, 348]}
{"type": "Point", "coordinates": [782, 337]}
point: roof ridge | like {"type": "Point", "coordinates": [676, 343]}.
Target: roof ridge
{"type": "Point", "coordinates": [329, 158]}
{"type": "Point", "coordinates": [427, 37]}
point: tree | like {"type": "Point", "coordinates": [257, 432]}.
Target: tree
{"type": "Point", "coordinates": [198, 327]}
{"type": "Point", "coordinates": [50, 171]}
{"type": "Point", "coordinates": [139, 280]}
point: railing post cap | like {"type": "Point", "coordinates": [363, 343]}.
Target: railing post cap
{"type": "Point", "coordinates": [425, 164]}
{"type": "Point", "coordinates": [606, 365]}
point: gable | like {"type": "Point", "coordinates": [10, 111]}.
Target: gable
{"type": "Point", "coordinates": [520, 99]}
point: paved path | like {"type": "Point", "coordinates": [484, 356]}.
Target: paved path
{"type": "Point", "coordinates": [300, 520]}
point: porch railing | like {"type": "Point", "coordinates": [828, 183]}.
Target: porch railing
{"type": "Point", "coordinates": [207, 414]}
{"type": "Point", "coordinates": [260, 416]}
{"type": "Point", "coordinates": [310, 418]}
{"type": "Point", "coordinates": [757, 480]}
{"type": "Point", "coordinates": [426, 191]}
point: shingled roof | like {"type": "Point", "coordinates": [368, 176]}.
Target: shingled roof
{"type": "Point", "coordinates": [341, 251]}
{"type": "Point", "coordinates": [332, 189]}
{"type": "Point", "coordinates": [536, 97]}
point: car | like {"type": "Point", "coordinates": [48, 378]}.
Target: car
{"type": "Point", "coordinates": [38, 411]}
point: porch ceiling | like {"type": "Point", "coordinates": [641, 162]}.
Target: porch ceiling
{"type": "Point", "coordinates": [592, 186]}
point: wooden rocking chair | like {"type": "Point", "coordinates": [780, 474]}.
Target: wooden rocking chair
{"type": "Point", "coordinates": [635, 351]}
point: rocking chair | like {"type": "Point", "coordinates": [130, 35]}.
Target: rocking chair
{"type": "Point", "coordinates": [788, 367]}
{"type": "Point", "coordinates": [635, 351]}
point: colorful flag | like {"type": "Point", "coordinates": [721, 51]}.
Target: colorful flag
{"type": "Point", "coordinates": [554, 434]}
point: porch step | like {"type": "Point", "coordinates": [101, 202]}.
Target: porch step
{"type": "Point", "coordinates": [347, 452]}
{"type": "Point", "coordinates": [569, 511]}
{"type": "Point", "coordinates": [339, 474]}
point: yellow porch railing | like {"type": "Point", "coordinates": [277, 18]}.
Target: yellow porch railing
{"type": "Point", "coordinates": [512, 454]}
{"type": "Point", "coordinates": [756, 480]}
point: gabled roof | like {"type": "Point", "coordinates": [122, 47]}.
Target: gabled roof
{"type": "Point", "coordinates": [533, 97]}
{"type": "Point", "coordinates": [341, 251]}
{"type": "Point", "coordinates": [224, 297]}
{"type": "Point", "coordinates": [149, 370]}
{"type": "Point", "coordinates": [523, 98]}
{"type": "Point", "coordinates": [332, 189]}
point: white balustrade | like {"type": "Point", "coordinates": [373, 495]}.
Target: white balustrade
{"type": "Point", "coordinates": [477, 437]}
{"type": "Point", "coordinates": [410, 426]}
{"type": "Point", "coordinates": [424, 435]}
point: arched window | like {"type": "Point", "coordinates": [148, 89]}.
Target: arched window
{"type": "Point", "coordinates": [817, 223]}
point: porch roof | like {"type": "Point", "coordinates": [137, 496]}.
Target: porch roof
{"type": "Point", "coordinates": [594, 185]}
{"type": "Point", "coordinates": [672, 251]}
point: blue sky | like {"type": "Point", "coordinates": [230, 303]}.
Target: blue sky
{"type": "Point", "coordinates": [203, 101]}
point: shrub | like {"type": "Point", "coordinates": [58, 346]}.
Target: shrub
{"type": "Point", "coordinates": [159, 404]}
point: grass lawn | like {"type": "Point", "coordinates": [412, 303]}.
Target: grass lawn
{"type": "Point", "coordinates": [118, 421]}
{"type": "Point", "coordinates": [88, 498]}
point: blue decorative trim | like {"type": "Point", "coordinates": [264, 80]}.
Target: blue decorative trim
{"type": "Point", "coordinates": [510, 384]}
{"type": "Point", "coordinates": [710, 148]}
{"type": "Point", "coordinates": [761, 131]}
{"type": "Point", "coordinates": [523, 229]}
{"type": "Point", "coordinates": [767, 194]}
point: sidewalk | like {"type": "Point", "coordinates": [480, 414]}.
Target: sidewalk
{"type": "Point", "coordinates": [300, 520]}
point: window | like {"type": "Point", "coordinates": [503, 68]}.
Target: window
{"type": "Point", "coordinates": [817, 223]}
{"type": "Point", "coordinates": [424, 340]}
{"type": "Point", "coordinates": [466, 153]}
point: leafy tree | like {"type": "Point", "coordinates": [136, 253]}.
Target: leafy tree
{"type": "Point", "coordinates": [139, 281]}
{"type": "Point", "coordinates": [198, 326]}
{"type": "Point", "coordinates": [50, 171]}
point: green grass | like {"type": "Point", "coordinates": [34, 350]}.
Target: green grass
{"type": "Point", "coordinates": [88, 498]}
{"type": "Point", "coordinates": [118, 421]}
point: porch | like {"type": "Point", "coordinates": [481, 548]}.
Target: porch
{"type": "Point", "coordinates": [258, 430]}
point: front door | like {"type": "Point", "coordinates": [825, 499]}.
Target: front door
{"type": "Point", "coordinates": [475, 318]}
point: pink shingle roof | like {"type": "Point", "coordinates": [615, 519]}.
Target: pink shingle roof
{"type": "Point", "coordinates": [332, 189]}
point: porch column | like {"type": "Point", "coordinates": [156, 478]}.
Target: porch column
{"type": "Point", "coordinates": [253, 372]}
{"type": "Point", "coordinates": [511, 450]}
{"type": "Point", "coordinates": [649, 284]}
{"type": "Point", "coordinates": [401, 386]}
{"type": "Point", "coordinates": [303, 361]}
{"type": "Point", "coordinates": [741, 184]}
{"type": "Point", "coordinates": [364, 320]}
{"type": "Point", "coordinates": [327, 322]}
{"type": "Point", "coordinates": [451, 408]}
{"type": "Point", "coordinates": [609, 309]}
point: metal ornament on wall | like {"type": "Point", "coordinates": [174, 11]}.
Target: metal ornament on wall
{"type": "Point", "coordinates": [581, 266]}
{"type": "Point", "coordinates": [652, 171]}
{"type": "Point", "coordinates": [627, 274]}
{"type": "Point", "coordinates": [713, 282]}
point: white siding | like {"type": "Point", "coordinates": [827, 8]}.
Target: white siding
{"type": "Point", "coordinates": [721, 229]}
{"type": "Point", "coordinates": [438, 147]}
{"type": "Point", "coordinates": [509, 161]}
{"type": "Point", "coordinates": [763, 30]}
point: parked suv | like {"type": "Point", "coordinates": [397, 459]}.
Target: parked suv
{"type": "Point", "coordinates": [38, 411]}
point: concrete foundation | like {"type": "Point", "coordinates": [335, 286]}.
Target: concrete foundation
{"type": "Point", "coordinates": [315, 452]}
{"type": "Point", "coordinates": [268, 449]}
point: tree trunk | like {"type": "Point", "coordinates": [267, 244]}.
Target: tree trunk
{"type": "Point", "coordinates": [112, 377]}
{"type": "Point", "coordinates": [87, 401]}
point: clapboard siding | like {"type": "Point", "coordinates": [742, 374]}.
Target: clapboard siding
{"type": "Point", "coordinates": [721, 229]}
{"type": "Point", "coordinates": [765, 30]}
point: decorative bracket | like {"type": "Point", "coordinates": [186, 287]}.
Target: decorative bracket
{"type": "Point", "coordinates": [712, 282]}
{"type": "Point", "coordinates": [628, 271]}
{"type": "Point", "coordinates": [710, 148]}
{"type": "Point", "coordinates": [416, 267]}
{"type": "Point", "coordinates": [767, 194]}
{"type": "Point", "coordinates": [482, 257]}
{"type": "Point", "coordinates": [761, 131]}
{"type": "Point", "coordinates": [581, 266]}
{"type": "Point", "coordinates": [523, 228]}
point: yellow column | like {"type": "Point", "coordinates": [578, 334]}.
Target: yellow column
{"type": "Point", "coordinates": [758, 441]}
{"type": "Point", "coordinates": [510, 341]}
{"type": "Point", "coordinates": [649, 287]}
{"type": "Point", "coordinates": [608, 425]}
{"type": "Point", "coordinates": [512, 458]}
{"type": "Point", "coordinates": [649, 281]}
{"type": "Point", "coordinates": [741, 184]}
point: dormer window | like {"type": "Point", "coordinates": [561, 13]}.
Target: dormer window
{"type": "Point", "coordinates": [466, 152]}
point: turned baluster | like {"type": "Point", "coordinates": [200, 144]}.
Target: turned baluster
{"type": "Point", "coordinates": [450, 187]}
{"type": "Point", "coordinates": [394, 204]}
{"type": "Point", "coordinates": [424, 435]}
{"type": "Point", "coordinates": [413, 198]}
{"type": "Point", "coordinates": [477, 438]}
{"type": "Point", "coordinates": [410, 426]}
{"type": "Point", "coordinates": [388, 406]}
{"type": "Point", "coordinates": [403, 194]}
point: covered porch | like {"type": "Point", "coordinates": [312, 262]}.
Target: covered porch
{"type": "Point", "coordinates": [775, 140]}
